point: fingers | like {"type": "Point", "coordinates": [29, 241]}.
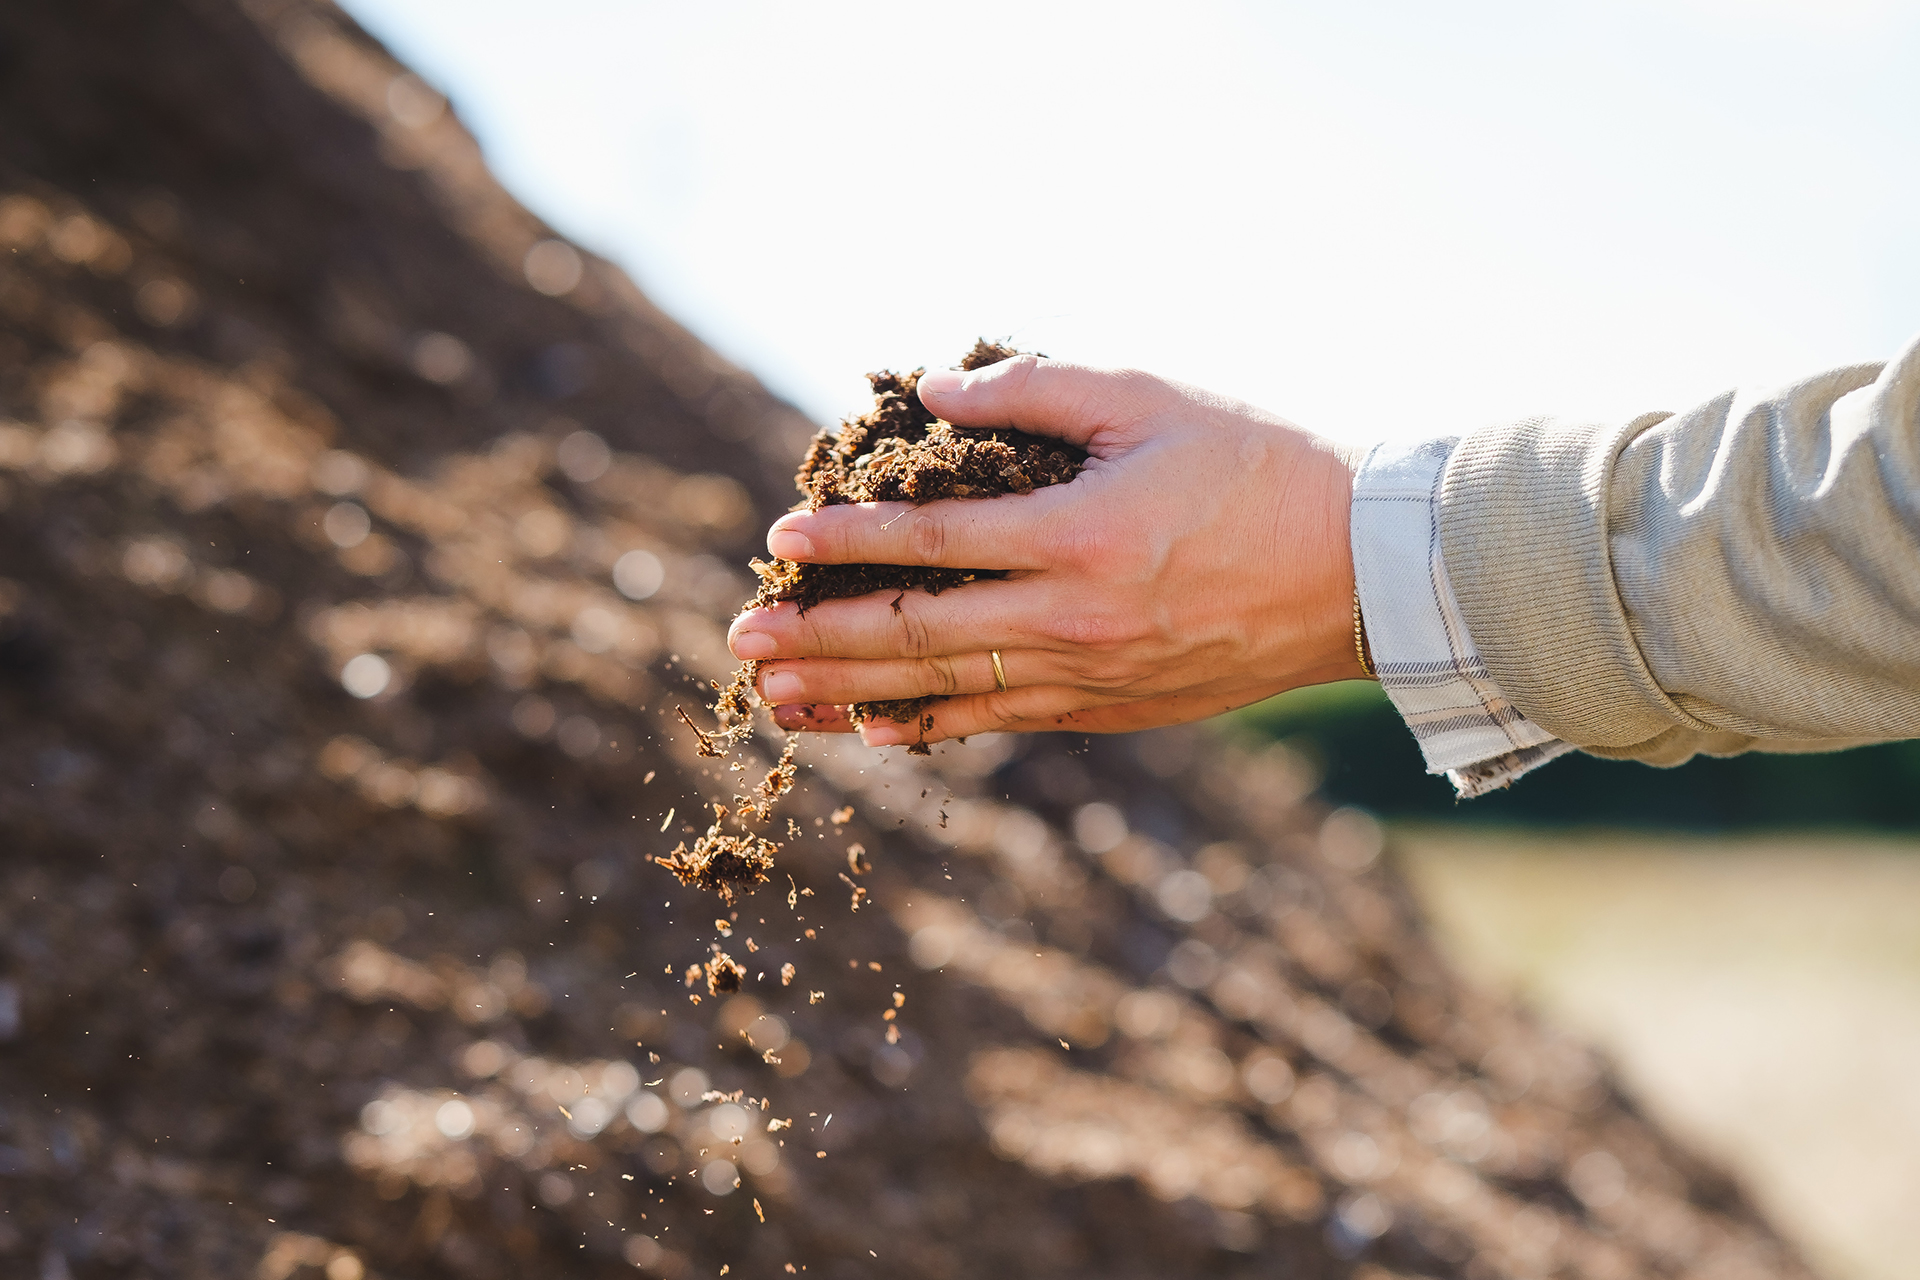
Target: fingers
{"type": "Point", "coordinates": [910, 624]}
{"type": "Point", "coordinates": [998, 533]}
{"type": "Point", "coordinates": [812, 718]}
{"type": "Point", "coordinates": [1117, 717]}
{"type": "Point", "coordinates": [840, 681]}
{"type": "Point", "coordinates": [980, 713]}
{"type": "Point", "coordinates": [1046, 397]}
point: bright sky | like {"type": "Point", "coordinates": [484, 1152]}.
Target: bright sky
{"type": "Point", "coordinates": [1378, 218]}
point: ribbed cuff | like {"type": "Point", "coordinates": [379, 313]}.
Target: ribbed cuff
{"type": "Point", "coordinates": [1422, 647]}
{"type": "Point", "coordinates": [1523, 529]}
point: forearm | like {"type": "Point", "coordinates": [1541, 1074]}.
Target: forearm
{"type": "Point", "coordinates": [1746, 574]}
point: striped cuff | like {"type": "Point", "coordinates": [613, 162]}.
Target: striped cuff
{"type": "Point", "coordinates": [1427, 663]}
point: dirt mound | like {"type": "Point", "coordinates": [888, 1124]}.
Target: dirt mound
{"type": "Point", "coordinates": [357, 538]}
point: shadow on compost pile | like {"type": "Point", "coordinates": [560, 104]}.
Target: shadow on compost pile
{"type": "Point", "coordinates": [296, 983]}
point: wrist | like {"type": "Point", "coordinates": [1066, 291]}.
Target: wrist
{"type": "Point", "coordinates": [1330, 651]}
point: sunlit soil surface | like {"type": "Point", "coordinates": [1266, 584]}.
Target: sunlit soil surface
{"type": "Point", "coordinates": [1761, 995]}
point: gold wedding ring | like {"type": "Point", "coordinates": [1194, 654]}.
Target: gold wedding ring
{"type": "Point", "coordinates": [999, 672]}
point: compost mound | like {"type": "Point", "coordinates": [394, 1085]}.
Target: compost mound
{"type": "Point", "coordinates": [266, 946]}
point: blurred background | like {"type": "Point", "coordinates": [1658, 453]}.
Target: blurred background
{"type": "Point", "coordinates": [1380, 220]}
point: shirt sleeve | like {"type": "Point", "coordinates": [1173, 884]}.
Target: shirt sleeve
{"type": "Point", "coordinates": [1741, 576]}
{"type": "Point", "coordinates": [1422, 650]}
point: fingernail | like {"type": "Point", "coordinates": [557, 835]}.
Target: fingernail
{"type": "Point", "coordinates": [781, 686]}
{"type": "Point", "coordinates": [882, 735]}
{"type": "Point", "coordinates": [749, 645]}
{"type": "Point", "coordinates": [790, 544]}
{"type": "Point", "coordinates": [941, 382]}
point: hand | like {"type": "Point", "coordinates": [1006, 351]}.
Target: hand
{"type": "Point", "coordinates": [1199, 563]}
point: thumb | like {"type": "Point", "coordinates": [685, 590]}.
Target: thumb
{"type": "Point", "coordinates": [1046, 397]}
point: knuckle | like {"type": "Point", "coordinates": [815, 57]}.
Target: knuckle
{"type": "Point", "coordinates": [1102, 549]}
{"type": "Point", "coordinates": [1014, 374]}
{"type": "Point", "coordinates": [1002, 710]}
{"type": "Point", "coordinates": [1019, 374]}
{"type": "Point", "coordinates": [813, 634]}
{"type": "Point", "coordinates": [1090, 630]}
{"type": "Point", "coordinates": [942, 678]}
{"type": "Point", "coordinates": [926, 539]}
{"type": "Point", "coordinates": [915, 639]}
{"type": "Point", "coordinates": [829, 536]}
{"type": "Point", "coordinates": [1081, 543]}
{"type": "Point", "coordinates": [1107, 672]}
{"type": "Point", "coordinates": [985, 714]}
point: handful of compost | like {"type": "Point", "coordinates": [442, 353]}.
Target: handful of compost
{"type": "Point", "coordinates": [895, 452]}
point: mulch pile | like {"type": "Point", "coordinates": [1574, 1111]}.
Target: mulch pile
{"type": "Point", "coordinates": [297, 983]}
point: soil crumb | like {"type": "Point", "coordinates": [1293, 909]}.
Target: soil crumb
{"type": "Point", "coordinates": [733, 865]}
{"type": "Point", "coordinates": [724, 975]}
{"type": "Point", "coordinates": [777, 783]}
{"type": "Point", "coordinates": [732, 709]}
{"type": "Point", "coordinates": [729, 865]}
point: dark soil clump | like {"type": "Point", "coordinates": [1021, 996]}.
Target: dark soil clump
{"type": "Point", "coordinates": [729, 865]}
{"type": "Point", "coordinates": [734, 865]}
{"type": "Point", "coordinates": [723, 973]}
{"type": "Point", "coordinates": [899, 452]}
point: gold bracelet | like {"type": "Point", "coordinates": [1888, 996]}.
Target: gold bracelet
{"type": "Point", "coordinates": [1360, 640]}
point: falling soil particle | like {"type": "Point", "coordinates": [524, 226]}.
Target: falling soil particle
{"type": "Point", "coordinates": [723, 974]}
{"type": "Point", "coordinates": [777, 783]}
{"type": "Point", "coordinates": [729, 865]}
{"type": "Point", "coordinates": [734, 865]}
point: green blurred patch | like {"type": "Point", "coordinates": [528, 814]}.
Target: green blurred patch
{"type": "Point", "coordinates": [1368, 758]}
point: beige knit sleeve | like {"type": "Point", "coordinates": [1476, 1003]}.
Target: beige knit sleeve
{"type": "Point", "coordinates": [1742, 576]}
